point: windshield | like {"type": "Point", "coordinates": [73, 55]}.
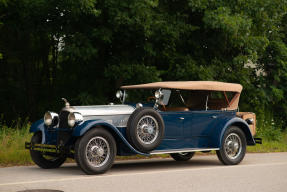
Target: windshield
{"type": "Point", "coordinates": [140, 96]}
{"type": "Point", "coordinates": [146, 96]}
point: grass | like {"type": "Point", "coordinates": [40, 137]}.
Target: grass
{"type": "Point", "coordinates": [12, 151]}
{"type": "Point", "coordinates": [279, 145]}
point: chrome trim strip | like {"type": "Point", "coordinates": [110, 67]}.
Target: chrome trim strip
{"type": "Point", "coordinates": [106, 115]}
{"type": "Point", "coordinates": [182, 150]}
{"type": "Point", "coordinates": [115, 120]}
{"type": "Point", "coordinates": [102, 110]}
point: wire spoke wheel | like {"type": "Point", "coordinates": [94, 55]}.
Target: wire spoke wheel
{"type": "Point", "coordinates": [233, 148]}
{"type": "Point", "coordinates": [147, 129]}
{"type": "Point", "coordinates": [97, 151]}
{"type": "Point", "coordinates": [233, 145]}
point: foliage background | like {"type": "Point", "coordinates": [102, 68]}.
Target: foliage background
{"type": "Point", "coordinates": [84, 50]}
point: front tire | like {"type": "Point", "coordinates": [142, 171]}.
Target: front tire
{"type": "Point", "coordinates": [182, 156]}
{"type": "Point", "coordinates": [233, 148]}
{"type": "Point", "coordinates": [45, 162]}
{"type": "Point", "coordinates": [95, 151]}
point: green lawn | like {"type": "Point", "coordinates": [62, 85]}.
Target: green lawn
{"type": "Point", "coordinates": [12, 151]}
{"type": "Point", "coordinates": [270, 146]}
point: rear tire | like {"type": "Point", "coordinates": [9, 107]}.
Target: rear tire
{"type": "Point", "coordinates": [39, 158]}
{"type": "Point", "coordinates": [95, 151]}
{"type": "Point", "coordinates": [182, 156]}
{"type": "Point", "coordinates": [233, 147]}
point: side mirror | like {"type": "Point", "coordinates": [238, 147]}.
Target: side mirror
{"type": "Point", "coordinates": [119, 94]}
{"type": "Point", "coordinates": [158, 94]}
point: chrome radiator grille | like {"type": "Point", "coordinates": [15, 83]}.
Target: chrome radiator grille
{"type": "Point", "coordinates": [63, 117]}
{"type": "Point", "coordinates": [64, 132]}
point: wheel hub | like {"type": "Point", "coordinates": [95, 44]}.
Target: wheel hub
{"type": "Point", "coordinates": [97, 151]}
{"type": "Point", "coordinates": [235, 146]}
{"type": "Point", "coordinates": [147, 129]}
{"type": "Point", "coordinates": [232, 146]}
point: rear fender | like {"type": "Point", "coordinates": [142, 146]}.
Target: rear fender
{"type": "Point", "coordinates": [242, 125]}
{"type": "Point", "coordinates": [82, 128]}
{"type": "Point", "coordinates": [219, 130]}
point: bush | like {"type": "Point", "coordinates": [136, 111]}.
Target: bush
{"type": "Point", "coordinates": [268, 129]}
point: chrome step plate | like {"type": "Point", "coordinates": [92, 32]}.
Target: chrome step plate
{"type": "Point", "coordinates": [181, 150]}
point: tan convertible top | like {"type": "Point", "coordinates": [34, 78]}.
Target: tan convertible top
{"type": "Point", "coordinates": [189, 85]}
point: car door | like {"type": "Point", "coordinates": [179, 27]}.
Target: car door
{"type": "Point", "coordinates": [196, 127]}
{"type": "Point", "coordinates": [173, 136]}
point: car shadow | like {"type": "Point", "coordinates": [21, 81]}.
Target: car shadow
{"type": "Point", "coordinates": [163, 164]}
{"type": "Point", "coordinates": [138, 165]}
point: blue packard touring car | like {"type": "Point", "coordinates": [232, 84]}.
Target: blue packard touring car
{"type": "Point", "coordinates": [176, 118]}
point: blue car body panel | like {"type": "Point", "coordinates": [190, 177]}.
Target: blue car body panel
{"type": "Point", "coordinates": [184, 129]}
{"type": "Point", "coordinates": [39, 126]}
{"type": "Point", "coordinates": [82, 128]}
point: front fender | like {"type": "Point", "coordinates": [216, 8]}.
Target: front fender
{"type": "Point", "coordinates": [39, 126]}
{"type": "Point", "coordinates": [235, 121]}
{"type": "Point", "coordinates": [85, 126]}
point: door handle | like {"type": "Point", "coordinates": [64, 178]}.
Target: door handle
{"type": "Point", "coordinates": [214, 116]}
{"type": "Point", "coordinates": [181, 118]}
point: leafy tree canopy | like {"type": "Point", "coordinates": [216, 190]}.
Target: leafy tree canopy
{"type": "Point", "coordinates": [85, 49]}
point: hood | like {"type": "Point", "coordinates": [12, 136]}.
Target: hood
{"type": "Point", "coordinates": [117, 115]}
{"type": "Point", "coordinates": [100, 110]}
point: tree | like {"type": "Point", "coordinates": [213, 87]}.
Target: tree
{"type": "Point", "coordinates": [85, 50]}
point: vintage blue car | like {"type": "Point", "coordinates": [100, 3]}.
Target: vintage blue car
{"type": "Point", "coordinates": [176, 118]}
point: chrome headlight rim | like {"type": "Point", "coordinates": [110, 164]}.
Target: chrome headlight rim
{"type": "Point", "coordinates": [51, 118]}
{"type": "Point", "coordinates": [74, 118]}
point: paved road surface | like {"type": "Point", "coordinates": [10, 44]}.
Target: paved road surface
{"type": "Point", "coordinates": [257, 172]}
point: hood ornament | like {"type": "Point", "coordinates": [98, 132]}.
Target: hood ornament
{"type": "Point", "coordinates": [67, 104]}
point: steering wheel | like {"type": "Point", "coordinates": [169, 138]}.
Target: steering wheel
{"type": "Point", "coordinates": [150, 98]}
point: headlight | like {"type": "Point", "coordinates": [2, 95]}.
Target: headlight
{"type": "Point", "coordinates": [51, 118]}
{"type": "Point", "coordinates": [73, 118]}
{"type": "Point", "coordinates": [158, 94]}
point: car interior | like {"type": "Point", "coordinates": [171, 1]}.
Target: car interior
{"type": "Point", "coordinates": [186, 100]}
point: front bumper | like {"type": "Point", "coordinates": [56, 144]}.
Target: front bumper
{"type": "Point", "coordinates": [49, 149]}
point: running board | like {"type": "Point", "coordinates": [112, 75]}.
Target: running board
{"type": "Point", "coordinates": [181, 150]}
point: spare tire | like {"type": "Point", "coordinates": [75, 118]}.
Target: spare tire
{"type": "Point", "coordinates": [145, 129]}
